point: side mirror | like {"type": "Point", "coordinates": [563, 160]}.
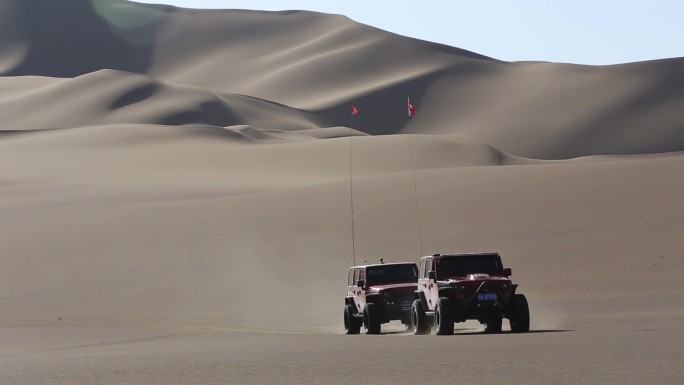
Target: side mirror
{"type": "Point", "coordinates": [360, 283]}
{"type": "Point", "coordinates": [508, 272]}
{"type": "Point", "coordinates": [432, 275]}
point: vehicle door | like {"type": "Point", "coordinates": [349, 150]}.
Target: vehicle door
{"type": "Point", "coordinates": [350, 283]}
{"type": "Point", "coordinates": [359, 293]}
{"type": "Point", "coordinates": [432, 290]}
{"type": "Point", "coordinates": [427, 285]}
{"type": "Point", "coordinates": [422, 280]}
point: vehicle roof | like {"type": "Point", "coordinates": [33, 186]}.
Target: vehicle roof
{"type": "Point", "coordinates": [383, 264]}
{"type": "Point", "coordinates": [481, 254]}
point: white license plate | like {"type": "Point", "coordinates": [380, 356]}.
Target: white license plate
{"type": "Point", "coordinates": [487, 297]}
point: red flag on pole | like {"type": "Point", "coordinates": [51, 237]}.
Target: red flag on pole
{"type": "Point", "coordinates": [411, 109]}
{"type": "Point", "coordinates": [355, 111]}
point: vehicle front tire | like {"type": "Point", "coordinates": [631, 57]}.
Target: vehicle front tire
{"type": "Point", "coordinates": [493, 324]}
{"type": "Point", "coordinates": [419, 324]}
{"type": "Point", "coordinates": [520, 314]}
{"type": "Point", "coordinates": [444, 317]}
{"type": "Point", "coordinates": [371, 318]}
{"type": "Point", "coordinates": [352, 325]}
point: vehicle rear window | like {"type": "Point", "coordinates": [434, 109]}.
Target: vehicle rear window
{"type": "Point", "coordinates": [462, 266]}
{"type": "Point", "coordinates": [388, 274]}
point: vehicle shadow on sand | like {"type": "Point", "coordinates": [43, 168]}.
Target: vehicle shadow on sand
{"type": "Point", "coordinates": [474, 332]}
{"type": "Point", "coordinates": [471, 332]}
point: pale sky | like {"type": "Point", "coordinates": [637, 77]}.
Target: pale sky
{"type": "Point", "coordinates": [578, 31]}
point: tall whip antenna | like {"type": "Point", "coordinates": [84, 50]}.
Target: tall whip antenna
{"type": "Point", "coordinates": [412, 111]}
{"type": "Point", "coordinates": [354, 113]}
{"type": "Point", "coordinates": [351, 195]}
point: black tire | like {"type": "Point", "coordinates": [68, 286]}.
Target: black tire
{"type": "Point", "coordinates": [444, 317]}
{"type": "Point", "coordinates": [520, 315]}
{"type": "Point", "coordinates": [493, 324]}
{"type": "Point", "coordinates": [419, 324]}
{"type": "Point", "coordinates": [352, 325]}
{"type": "Point", "coordinates": [371, 318]}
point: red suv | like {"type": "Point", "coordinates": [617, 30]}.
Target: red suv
{"type": "Point", "coordinates": [458, 287]}
{"type": "Point", "coordinates": [378, 294]}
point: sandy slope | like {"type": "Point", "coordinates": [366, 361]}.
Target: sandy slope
{"type": "Point", "coordinates": [147, 209]}
{"type": "Point", "coordinates": [175, 199]}
{"type": "Point", "coordinates": [148, 243]}
{"type": "Point", "coordinates": [121, 97]}
{"type": "Point", "coordinates": [536, 110]}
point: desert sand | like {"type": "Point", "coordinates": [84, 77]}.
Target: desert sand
{"type": "Point", "coordinates": [176, 190]}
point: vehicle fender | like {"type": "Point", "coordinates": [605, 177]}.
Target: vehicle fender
{"type": "Point", "coordinates": [449, 292]}
{"type": "Point", "coordinates": [421, 296]}
{"type": "Point", "coordinates": [350, 301]}
{"type": "Point", "coordinates": [375, 298]}
{"type": "Point", "coordinates": [509, 303]}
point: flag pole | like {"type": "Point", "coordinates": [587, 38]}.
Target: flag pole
{"type": "Point", "coordinates": [411, 112]}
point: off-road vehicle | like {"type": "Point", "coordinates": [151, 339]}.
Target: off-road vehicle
{"type": "Point", "coordinates": [469, 286]}
{"type": "Point", "coordinates": [378, 294]}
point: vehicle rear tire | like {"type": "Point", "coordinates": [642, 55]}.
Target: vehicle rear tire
{"type": "Point", "coordinates": [371, 318]}
{"type": "Point", "coordinates": [419, 323]}
{"type": "Point", "coordinates": [352, 325]}
{"type": "Point", "coordinates": [493, 324]}
{"type": "Point", "coordinates": [520, 315]}
{"type": "Point", "coordinates": [444, 317]}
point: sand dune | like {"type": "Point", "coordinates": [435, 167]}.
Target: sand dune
{"type": "Point", "coordinates": [538, 110]}
{"type": "Point", "coordinates": [108, 96]}
{"type": "Point", "coordinates": [176, 189]}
